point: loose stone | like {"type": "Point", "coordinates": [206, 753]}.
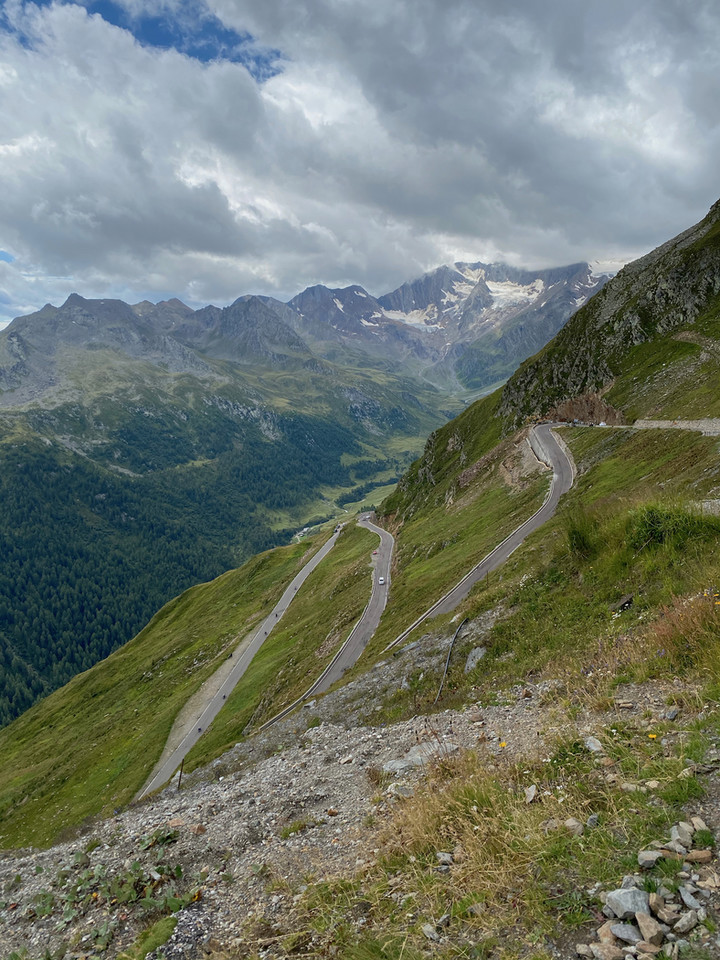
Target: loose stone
{"type": "Point", "coordinates": [626, 903]}
{"type": "Point", "coordinates": [699, 856]}
{"type": "Point", "coordinates": [651, 930]}
{"type": "Point", "coordinates": [688, 899]}
{"type": "Point", "coordinates": [606, 951]}
{"type": "Point", "coordinates": [627, 932]}
{"type": "Point", "coordinates": [683, 834]}
{"type": "Point", "coordinates": [648, 858]}
{"type": "Point", "coordinates": [687, 922]}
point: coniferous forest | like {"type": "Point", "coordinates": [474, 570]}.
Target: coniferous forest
{"type": "Point", "coordinates": [90, 553]}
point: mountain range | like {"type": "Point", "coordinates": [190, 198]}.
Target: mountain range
{"type": "Point", "coordinates": [463, 327]}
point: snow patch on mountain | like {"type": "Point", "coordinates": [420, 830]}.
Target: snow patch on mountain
{"type": "Point", "coordinates": [506, 293]}
{"type": "Point", "coordinates": [472, 272]}
{"type": "Point", "coordinates": [422, 319]}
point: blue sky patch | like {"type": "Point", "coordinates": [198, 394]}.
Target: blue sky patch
{"type": "Point", "coordinates": [6, 257]}
{"type": "Point", "coordinates": [191, 29]}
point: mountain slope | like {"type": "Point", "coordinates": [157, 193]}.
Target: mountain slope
{"type": "Point", "coordinates": [589, 710]}
{"type": "Point", "coordinates": [483, 319]}
{"type": "Point", "coordinates": [676, 286]}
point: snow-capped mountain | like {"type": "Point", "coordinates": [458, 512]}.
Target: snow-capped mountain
{"type": "Point", "coordinates": [467, 324]}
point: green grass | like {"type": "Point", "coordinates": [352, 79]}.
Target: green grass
{"type": "Point", "coordinates": [150, 939]}
{"type": "Point", "coordinates": [628, 526]}
{"type": "Point", "coordinates": [667, 378]}
{"type": "Point", "coordinates": [518, 876]}
{"type": "Point", "coordinates": [88, 748]}
{"type": "Point", "coordinates": [625, 528]}
{"type": "Point", "coordinates": [296, 652]}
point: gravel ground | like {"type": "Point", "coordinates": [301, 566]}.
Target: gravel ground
{"type": "Point", "coordinates": [291, 804]}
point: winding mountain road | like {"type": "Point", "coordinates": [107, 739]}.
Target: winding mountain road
{"type": "Point", "coordinates": [363, 630]}
{"type": "Point", "coordinates": [368, 622]}
{"type": "Point", "coordinates": [167, 766]}
{"type": "Point", "coordinates": [546, 448]}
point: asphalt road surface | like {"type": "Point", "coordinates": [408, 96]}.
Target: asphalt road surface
{"type": "Point", "coordinates": [547, 449]}
{"type": "Point", "coordinates": [368, 622]}
{"type": "Point", "coordinates": [215, 703]}
{"type": "Point", "coordinates": [363, 629]}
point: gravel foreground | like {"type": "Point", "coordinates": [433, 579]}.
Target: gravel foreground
{"type": "Point", "coordinates": [299, 803]}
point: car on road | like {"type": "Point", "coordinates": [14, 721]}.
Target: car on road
{"type": "Point", "coordinates": [381, 580]}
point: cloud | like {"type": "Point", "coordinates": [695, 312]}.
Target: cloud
{"type": "Point", "coordinates": [381, 140]}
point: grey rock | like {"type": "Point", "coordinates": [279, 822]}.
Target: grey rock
{"type": "Point", "coordinates": [676, 847]}
{"type": "Point", "coordinates": [672, 713]}
{"type": "Point", "coordinates": [592, 821]}
{"type": "Point", "coordinates": [628, 882]}
{"type": "Point", "coordinates": [445, 858]}
{"type": "Point", "coordinates": [594, 745]}
{"type": "Point", "coordinates": [403, 790]}
{"type": "Point", "coordinates": [474, 658]}
{"type": "Point", "coordinates": [626, 903]}
{"type": "Point", "coordinates": [687, 922]}
{"type": "Point", "coordinates": [530, 793]}
{"type": "Point", "coordinates": [683, 833]}
{"type": "Point", "coordinates": [419, 756]}
{"type": "Point", "coordinates": [430, 932]}
{"type": "Point", "coordinates": [648, 858]}
{"type": "Point", "coordinates": [688, 899]}
{"type": "Point", "coordinates": [574, 826]}
{"type": "Point", "coordinates": [583, 950]}
{"type": "Point", "coordinates": [627, 932]}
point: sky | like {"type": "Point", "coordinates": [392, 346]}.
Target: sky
{"type": "Point", "coordinates": [205, 150]}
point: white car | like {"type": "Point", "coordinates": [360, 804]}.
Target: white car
{"type": "Point", "coordinates": [381, 580]}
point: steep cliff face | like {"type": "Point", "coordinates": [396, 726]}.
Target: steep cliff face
{"type": "Point", "coordinates": [667, 289]}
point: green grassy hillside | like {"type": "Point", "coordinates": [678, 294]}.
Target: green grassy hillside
{"type": "Point", "coordinates": [632, 526]}
{"type": "Point", "coordinates": [90, 746]}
